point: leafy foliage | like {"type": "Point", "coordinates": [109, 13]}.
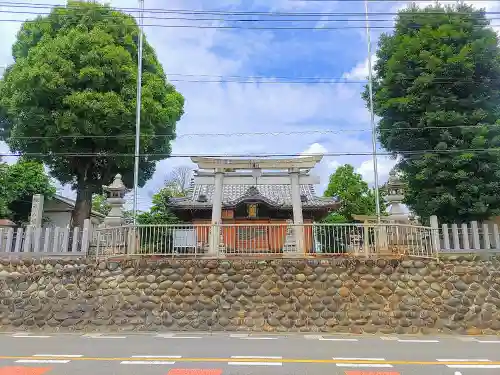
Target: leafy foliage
{"type": "Point", "coordinates": [99, 204]}
{"type": "Point", "coordinates": [354, 194]}
{"type": "Point", "coordinates": [18, 183]}
{"type": "Point", "coordinates": [159, 213]}
{"type": "Point", "coordinates": [73, 82]}
{"type": "Point", "coordinates": [436, 93]}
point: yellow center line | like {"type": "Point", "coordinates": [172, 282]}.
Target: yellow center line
{"type": "Point", "coordinates": [283, 360]}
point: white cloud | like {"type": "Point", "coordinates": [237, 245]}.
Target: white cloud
{"type": "Point", "coordinates": [360, 71]}
{"type": "Point", "coordinates": [315, 149]}
{"type": "Point", "coordinates": [384, 166]}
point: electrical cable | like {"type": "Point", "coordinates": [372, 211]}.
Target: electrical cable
{"type": "Point", "coordinates": [227, 12]}
{"type": "Point", "coordinates": [259, 155]}
{"type": "Point", "coordinates": [226, 27]}
{"type": "Point", "coordinates": [251, 134]}
{"type": "Point", "coordinates": [279, 19]}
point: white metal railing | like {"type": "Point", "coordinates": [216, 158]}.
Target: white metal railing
{"type": "Point", "coordinates": [33, 241]}
{"type": "Point", "coordinates": [235, 240]}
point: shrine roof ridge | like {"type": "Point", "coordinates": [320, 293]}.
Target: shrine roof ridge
{"type": "Point", "coordinates": [275, 195]}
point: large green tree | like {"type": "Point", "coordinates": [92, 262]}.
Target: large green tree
{"type": "Point", "coordinates": [69, 99]}
{"type": "Point", "coordinates": [436, 91]}
{"type": "Point", "coordinates": [356, 197]}
{"type": "Point", "coordinates": [18, 183]}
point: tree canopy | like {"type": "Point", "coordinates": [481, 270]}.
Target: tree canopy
{"type": "Point", "coordinates": [69, 99]}
{"type": "Point", "coordinates": [354, 193]}
{"type": "Point", "coordinates": [18, 183]}
{"type": "Point", "coordinates": [159, 213]}
{"type": "Point", "coordinates": [436, 91]}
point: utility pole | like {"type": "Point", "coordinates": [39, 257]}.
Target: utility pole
{"type": "Point", "coordinates": [138, 109]}
{"type": "Point", "coordinates": [372, 115]}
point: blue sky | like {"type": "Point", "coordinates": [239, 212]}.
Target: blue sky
{"type": "Point", "coordinates": [335, 108]}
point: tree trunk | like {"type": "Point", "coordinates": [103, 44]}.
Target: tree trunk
{"type": "Point", "coordinates": [83, 206]}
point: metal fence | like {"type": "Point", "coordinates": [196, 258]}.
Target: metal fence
{"type": "Point", "coordinates": [244, 240]}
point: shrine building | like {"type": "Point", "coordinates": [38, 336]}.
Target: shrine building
{"type": "Point", "coordinates": [253, 201]}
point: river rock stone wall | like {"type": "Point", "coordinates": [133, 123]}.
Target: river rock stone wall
{"type": "Point", "coordinates": [460, 295]}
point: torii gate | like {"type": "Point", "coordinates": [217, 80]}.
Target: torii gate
{"type": "Point", "coordinates": [293, 177]}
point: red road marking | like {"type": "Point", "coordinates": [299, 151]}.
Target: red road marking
{"type": "Point", "coordinates": [24, 370]}
{"type": "Point", "coordinates": [193, 371]}
{"type": "Point", "coordinates": [369, 373]}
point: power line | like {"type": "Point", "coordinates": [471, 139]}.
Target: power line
{"type": "Point", "coordinates": [227, 27]}
{"type": "Point", "coordinates": [226, 12]}
{"type": "Point", "coordinates": [278, 19]}
{"type": "Point", "coordinates": [321, 19]}
{"type": "Point", "coordinates": [245, 134]}
{"type": "Point", "coordinates": [249, 155]}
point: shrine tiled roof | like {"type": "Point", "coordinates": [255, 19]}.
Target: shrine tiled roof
{"type": "Point", "coordinates": [201, 196]}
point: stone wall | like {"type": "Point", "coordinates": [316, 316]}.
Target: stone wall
{"type": "Point", "coordinates": [460, 295]}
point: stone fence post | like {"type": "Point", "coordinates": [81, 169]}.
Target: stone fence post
{"type": "Point", "coordinates": [436, 243]}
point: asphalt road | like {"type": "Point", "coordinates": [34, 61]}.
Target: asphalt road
{"type": "Point", "coordinates": [243, 354]}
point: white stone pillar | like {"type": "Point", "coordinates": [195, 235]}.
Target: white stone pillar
{"type": "Point", "coordinates": [216, 213]}
{"type": "Point", "coordinates": [298, 219]}
{"type": "Point", "coordinates": [37, 210]}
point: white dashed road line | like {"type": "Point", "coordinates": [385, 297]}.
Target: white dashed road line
{"type": "Point", "coordinates": [24, 336]}
{"type": "Point", "coordinates": [156, 362]}
{"type": "Point", "coordinates": [100, 336]}
{"type": "Point", "coordinates": [419, 341]}
{"type": "Point", "coordinates": [43, 361]}
{"type": "Point", "coordinates": [263, 363]}
{"type": "Point", "coordinates": [59, 355]}
{"type": "Point", "coordinates": [259, 338]}
{"type": "Point", "coordinates": [485, 366]}
{"type": "Point", "coordinates": [173, 336]}
{"type": "Point", "coordinates": [488, 341]}
{"type": "Point", "coordinates": [334, 339]}
{"type": "Point", "coordinates": [367, 365]}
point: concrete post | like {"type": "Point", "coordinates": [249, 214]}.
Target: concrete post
{"type": "Point", "coordinates": [216, 213]}
{"type": "Point", "coordinates": [436, 243]}
{"type": "Point", "coordinates": [298, 219]}
{"type": "Point", "coordinates": [37, 210]}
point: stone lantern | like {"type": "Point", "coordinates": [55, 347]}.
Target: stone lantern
{"type": "Point", "coordinates": [394, 198]}
{"type": "Point", "coordinates": [115, 193]}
